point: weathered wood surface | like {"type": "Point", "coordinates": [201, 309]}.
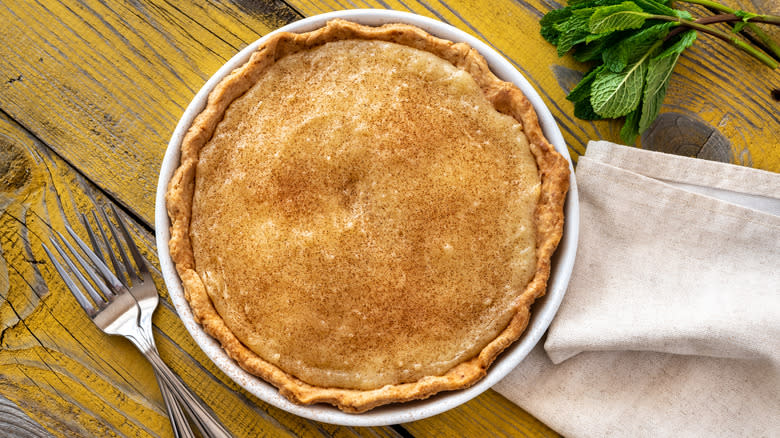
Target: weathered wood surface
{"type": "Point", "coordinates": [90, 92]}
{"type": "Point", "coordinates": [103, 84]}
{"type": "Point", "coordinates": [18, 424]}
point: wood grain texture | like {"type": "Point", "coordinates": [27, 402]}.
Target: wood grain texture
{"type": "Point", "coordinates": [52, 358]}
{"type": "Point", "coordinates": [489, 415]}
{"type": "Point", "coordinates": [16, 424]}
{"type": "Point", "coordinates": [57, 366]}
{"type": "Point", "coordinates": [104, 83]}
{"type": "Point", "coordinates": [714, 86]}
{"type": "Point", "coordinates": [718, 90]}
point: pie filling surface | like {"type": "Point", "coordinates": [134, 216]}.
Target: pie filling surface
{"type": "Point", "coordinates": [357, 223]}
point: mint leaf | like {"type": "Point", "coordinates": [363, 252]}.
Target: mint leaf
{"type": "Point", "coordinates": [654, 7]}
{"type": "Point", "coordinates": [632, 53]}
{"type": "Point", "coordinates": [618, 56]}
{"type": "Point", "coordinates": [595, 50]}
{"type": "Point", "coordinates": [555, 16]}
{"type": "Point", "coordinates": [583, 110]}
{"type": "Point", "coordinates": [574, 30]}
{"type": "Point", "coordinates": [682, 42]}
{"type": "Point", "coordinates": [582, 3]}
{"type": "Point", "coordinates": [745, 16]}
{"type": "Point", "coordinates": [548, 22]}
{"type": "Point", "coordinates": [595, 37]}
{"type": "Point", "coordinates": [685, 15]}
{"type": "Point", "coordinates": [617, 94]}
{"type": "Point", "coordinates": [582, 90]}
{"type": "Point", "coordinates": [659, 71]}
{"type": "Point", "coordinates": [626, 15]}
{"type": "Point", "coordinates": [570, 26]}
{"type": "Point", "coordinates": [630, 130]}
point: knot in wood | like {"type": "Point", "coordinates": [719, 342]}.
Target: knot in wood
{"type": "Point", "coordinates": [681, 134]}
{"type": "Point", "coordinates": [15, 168]}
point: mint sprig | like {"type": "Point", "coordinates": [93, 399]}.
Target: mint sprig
{"type": "Point", "coordinates": [633, 47]}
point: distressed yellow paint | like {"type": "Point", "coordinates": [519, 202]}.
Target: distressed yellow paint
{"type": "Point", "coordinates": [490, 414]}
{"type": "Point", "coordinates": [105, 83]}
{"type": "Point", "coordinates": [53, 361]}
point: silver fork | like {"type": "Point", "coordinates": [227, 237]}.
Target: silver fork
{"type": "Point", "coordinates": [125, 308]}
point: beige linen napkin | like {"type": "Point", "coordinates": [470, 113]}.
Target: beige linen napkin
{"type": "Point", "coordinates": [671, 323]}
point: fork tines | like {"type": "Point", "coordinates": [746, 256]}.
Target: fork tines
{"type": "Point", "coordinates": [101, 276]}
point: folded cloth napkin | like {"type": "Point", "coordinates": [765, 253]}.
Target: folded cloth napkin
{"type": "Point", "coordinates": [671, 323]}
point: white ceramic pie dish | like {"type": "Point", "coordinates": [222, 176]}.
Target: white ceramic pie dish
{"type": "Point", "coordinates": [541, 314]}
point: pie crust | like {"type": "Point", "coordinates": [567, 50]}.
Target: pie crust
{"type": "Point", "coordinates": [230, 327]}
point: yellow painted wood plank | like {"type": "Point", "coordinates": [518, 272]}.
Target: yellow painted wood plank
{"type": "Point", "coordinates": [730, 93]}
{"type": "Point", "coordinates": [51, 356]}
{"type": "Point", "coordinates": [17, 424]}
{"type": "Point", "coordinates": [56, 365]}
{"type": "Point", "coordinates": [489, 415]}
{"type": "Point", "coordinates": [104, 83]}
{"type": "Point", "coordinates": [715, 89]}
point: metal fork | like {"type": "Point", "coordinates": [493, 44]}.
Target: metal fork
{"type": "Point", "coordinates": [125, 308]}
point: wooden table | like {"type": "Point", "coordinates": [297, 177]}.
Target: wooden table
{"type": "Point", "coordinates": [90, 92]}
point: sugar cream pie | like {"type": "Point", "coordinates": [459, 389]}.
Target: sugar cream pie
{"type": "Point", "coordinates": [364, 215]}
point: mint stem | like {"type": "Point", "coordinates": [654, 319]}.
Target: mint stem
{"type": "Point", "coordinates": [711, 4]}
{"type": "Point", "coordinates": [760, 34]}
{"type": "Point", "coordinates": [764, 18]}
{"type": "Point", "coordinates": [729, 38]}
{"type": "Point", "coordinates": [730, 18]}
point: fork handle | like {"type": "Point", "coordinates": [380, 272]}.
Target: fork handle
{"type": "Point", "coordinates": [201, 415]}
{"type": "Point", "coordinates": [180, 425]}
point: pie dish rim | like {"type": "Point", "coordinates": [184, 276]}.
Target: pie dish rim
{"type": "Point", "coordinates": [396, 413]}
